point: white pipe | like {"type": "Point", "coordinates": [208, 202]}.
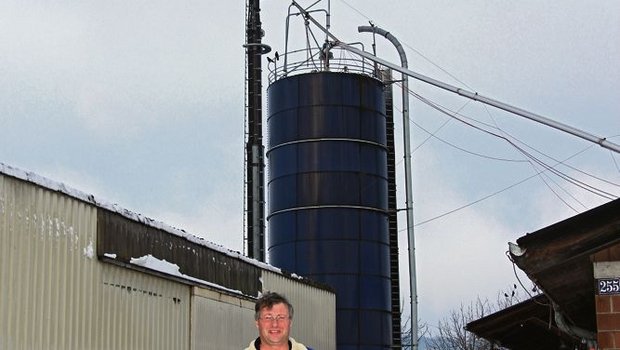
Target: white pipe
{"type": "Point", "coordinates": [408, 182]}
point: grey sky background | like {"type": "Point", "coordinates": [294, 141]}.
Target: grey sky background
{"type": "Point", "coordinates": [141, 103]}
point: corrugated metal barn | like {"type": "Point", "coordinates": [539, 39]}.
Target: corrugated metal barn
{"type": "Point", "coordinates": [77, 273]}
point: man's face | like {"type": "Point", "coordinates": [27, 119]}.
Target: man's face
{"type": "Point", "coordinates": [274, 325]}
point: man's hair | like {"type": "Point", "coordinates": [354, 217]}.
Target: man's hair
{"type": "Point", "coordinates": [268, 300]}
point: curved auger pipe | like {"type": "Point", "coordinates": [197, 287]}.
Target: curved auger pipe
{"type": "Point", "coordinates": [408, 182]}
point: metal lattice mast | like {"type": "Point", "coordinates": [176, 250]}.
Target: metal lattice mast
{"type": "Point", "coordinates": [254, 156]}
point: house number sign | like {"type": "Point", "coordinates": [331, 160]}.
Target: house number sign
{"type": "Point", "coordinates": [607, 286]}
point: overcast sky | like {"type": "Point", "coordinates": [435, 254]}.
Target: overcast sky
{"type": "Point", "coordinates": [141, 103]}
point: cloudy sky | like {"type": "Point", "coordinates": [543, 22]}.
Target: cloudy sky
{"type": "Point", "coordinates": [141, 103]}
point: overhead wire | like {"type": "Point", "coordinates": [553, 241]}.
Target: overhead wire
{"type": "Point", "coordinates": [430, 134]}
{"type": "Point", "coordinates": [568, 165]}
{"type": "Point", "coordinates": [546, 155]}
{"type": "Point", "coordinates": [614, 160]}
{"type": "Point", "coordinates": [356, 10]}
{"type": "Point", "coordinates": [441, 68]}
{"type": "Point", "coordinates": [568, 178]}
{"type": "Point", "coordinates": [433, 135]}
{"type": "Point", "coordinates": [530, 157]}
{"type": "Point", "coordinates": [457, 116]}
{"type": "Point", "coordinates": [508, 138]}
{"type": "Point", "coordinates": [527, 154]}
{"type": "Point", "coordinates": [613, 156]}
{"type": "Point", "coordinates": [410, 47]}
{"type": "Point", "coordinates": [465, 84]}
{"type": "Point", "coordinates": [419, 223]}
{"type": "Point", "coordinates": [503, 159]}
{"type": "Point", "coordinates": [452, 211]}
{"type": "Point", "coordinates": [527, 291]}
{"type": "Point", "coordinates": [542, 175]}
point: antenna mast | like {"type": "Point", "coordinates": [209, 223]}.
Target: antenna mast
{"type": "Point", "coordinates": [254, 149]}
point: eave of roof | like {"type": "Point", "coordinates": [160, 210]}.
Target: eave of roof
{"type": "Point", "coordinates": [526, 325]}
{"type": "Point", "coordinates": [558, 258]}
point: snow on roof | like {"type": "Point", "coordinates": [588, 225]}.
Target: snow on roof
{"type": "Point", "coordinates": [89, 198]}
{"type": "Point", "coordinates": [166, 267]}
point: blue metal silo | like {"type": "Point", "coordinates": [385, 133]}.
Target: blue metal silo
{"type": "Point", "coordinates": [328, 195]}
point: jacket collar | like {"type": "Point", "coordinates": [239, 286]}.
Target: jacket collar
{"type": "Point", "coordinates": [257, 344]}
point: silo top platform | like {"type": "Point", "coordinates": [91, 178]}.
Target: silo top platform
{"type": "Point", "coordinates": [318, 60]}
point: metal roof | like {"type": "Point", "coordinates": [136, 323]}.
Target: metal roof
{"type": "Point", "coordinates": [526, 325]}
{"type": "Point", "coordinates": [123, 234]}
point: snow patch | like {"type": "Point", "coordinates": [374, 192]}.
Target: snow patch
{"type": "Point", "coordinates": [151, 262]}
{"type": "Point", "coordinates": [89, 251]}
{"type": "Point", "coordinates": [161, 265]}
{"type": "Point", "coordinates": [110, 255]}
{"type": "Point", "coordinates": [294, 275]}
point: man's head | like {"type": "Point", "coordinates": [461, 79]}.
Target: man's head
{"type": "Point", "coordinates": [274, 316]}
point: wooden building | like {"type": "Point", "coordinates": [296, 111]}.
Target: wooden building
{"type": "Point", "coordinates": [576, 265]}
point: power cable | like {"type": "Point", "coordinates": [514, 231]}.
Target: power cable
{"type": "Point", "coordinates": [614, 159]}
{"type": "Point", "coordinates": [542, 178]}
{"type": "Point", "coordinates": [453, 77]}
{"type": "Point", "coordinates": [474, 202]}
{"type": "Point", "coordinates": [613, 156]}
{"type": "Point", "coordinates": [527, 154]}
{"type": "Point", "coordinates": [432, 135]}
{"type": "Point", "coordinates": [570, 166]}
{"type": "Point", "coordinates": [356, 10]}
{"type": "Point", "coordinates": [566, 177]}
{"type": "Point", "coordinates": [514, 269]}
{"type": "Point", "coordinates": [490, 195]}
{"type": "Point", "coordinates": [410, 47]}
{"type": "Point", "coordinates": [570, 179]}
{"type": "Point", "coordinates": [543, 175]}
{"type": "Point", "coordinates": [548, 156]}
{"type": "Point", "coordinates": [558, 173]}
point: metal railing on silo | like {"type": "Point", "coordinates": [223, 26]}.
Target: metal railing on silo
{"type": "Point", "coordinates": [318, 60]}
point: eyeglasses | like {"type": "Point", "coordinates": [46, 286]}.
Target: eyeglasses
{"type": "Point", "coordinates": [277, 318]}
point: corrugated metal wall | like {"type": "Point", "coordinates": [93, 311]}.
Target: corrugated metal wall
{"type": "Point", "coordinates": [220, 321]}
{"type": "Point", "coordinates": [143, 311]}
{"type": "Point", "coordinates": [54, 294]}
{"type": "Point", "coordinates": [314, 322]}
